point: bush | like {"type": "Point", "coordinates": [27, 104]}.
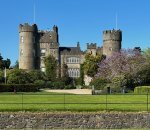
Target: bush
{"type": "Point", "coordinates": [18, 76]}
{"type": "Point", "coordinates": [40, 83]}
{"type": "Point", "coordinates": [18, 88]}
{"type": "Point", "coordinates": [70, 87]}
{"type": "Point", "coordinates": [58, 85]}
{"type": "Point", "coordinates": [99, 83]}
{"type": "Point", "coordinates": [55, 85]}
{"type": "Point", "coordinates": [142, 90]}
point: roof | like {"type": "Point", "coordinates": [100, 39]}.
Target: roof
{"type": "Point", "coordinates": [70, 50]}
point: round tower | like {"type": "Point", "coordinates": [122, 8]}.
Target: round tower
{"type": "Point", "coordinates": [27, 47]}
{"type": "Point", "coordinates": [111, 41]}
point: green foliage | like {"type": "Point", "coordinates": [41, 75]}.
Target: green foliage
{"type": "Point", "coordinates": [40, 83]}
{"type": "Point", "coordinates": [80, 80]}
{"type": "Point", "coordinates": [119, 81]}
{"type": "Point", "coordinates": [91, 64]}
{"type": "Point", "coordinates": [99, 83]}
{"type": "Point", "coordinates": [18, 76]}
{"type": "Point", "coordinates": [1, 76]}
{"type": "Point", "coordinates": [55, 85]}
{"type": "Point", "coordinates": [1, 62]}
{"type": "Point", "coordinates": [70, 86]}
{"type": "Point", "coordinates": [65, 77]}
{"type": "Point", "coordinates": [51, 67]}
{"type": "Point", "coordinates": [4, 63]}
{"type": "Point", "coordinates": [147, 54]}
{"type": "Point", "coordinates": [16, 66]}
{"type": "Point", "coordinates": [142, 90]}
{"type": "Point", "coordinates": [18, 88]}
{"type": "Point", "coordinates": [37, 75]}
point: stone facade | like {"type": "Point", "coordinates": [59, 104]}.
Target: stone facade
{"type": "Point", "coordinates": [71, 120]}
{"type": "Point", "coordinates": [36, 44]}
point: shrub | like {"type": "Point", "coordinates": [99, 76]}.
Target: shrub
{"type": "Point", "coordinates": [18, 76]}
{"type": "Point", "coordinates": [142, 90]}
{"type": "Point", "coordinates": [70, 87]}
{"type": "Point", "coordinates": [40, 83]}
{"type": "Point", "coordinates": [99, 83]}
{"type": "Point", "coordinates": [55, 85]}
{"type": "Point", "coordinates": [18, 88]}
{"type": "Point", "coordinates": [58, 85]}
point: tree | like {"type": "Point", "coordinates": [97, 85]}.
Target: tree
{"type": "Point", "coordinates": [51, 67]}
{"type": "Point", "coordinates": [18, 76]}
{"type": "Point", "coordinates": [36, 75]}
{"type": "Point", "coordinates": [16, 66]}
{"type": "Point", "coordinates": [1, 76]}
{"type": "Point", "coordinates": [6, 63]}
{"type": "Point", "coordinates": [147, 54]}
{"type": "Point", "coordinates": [65, 76]}
{"type": "Point", "coordinates": [90, 64]}
{"type": "Point", "coordinates": [124, 66]}
{"type": "Point", "coordinates": [1, 62]}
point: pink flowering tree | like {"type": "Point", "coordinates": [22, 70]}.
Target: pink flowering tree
{"type": "Point", "coordinates": [123, 67]}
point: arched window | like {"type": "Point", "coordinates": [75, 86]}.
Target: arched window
{"type": "Point", "coordinates": [74, 72]}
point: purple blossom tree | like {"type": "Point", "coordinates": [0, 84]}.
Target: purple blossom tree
{"type": "Point", "coordinates": [124, 65]}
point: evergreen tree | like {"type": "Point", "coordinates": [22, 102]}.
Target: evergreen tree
{"type": "Point", "coordinates": [51, 67]}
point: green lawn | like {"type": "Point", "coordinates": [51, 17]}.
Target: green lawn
{"type": "Point", "coordinates": [68, 102]}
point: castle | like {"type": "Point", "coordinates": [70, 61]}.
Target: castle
{"type": "Point", "coordinates": [36, 44]}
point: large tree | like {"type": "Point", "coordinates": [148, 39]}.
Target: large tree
{"type": "Point", "coordinates": [36, 75]}
{"type": "Point", "coordinates": [90, 64]}
{"type": "Point", "coordinates": [51, 67]}
{"type": "Point", "coordinates": [18, 76]}
{"type": "Point", "coordinates": [4, 63]}
{"type": "Point", "coordinates": [123, 67]}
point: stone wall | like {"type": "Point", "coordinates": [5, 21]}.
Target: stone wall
{"type": "Point", "coordinates": [68, 120]}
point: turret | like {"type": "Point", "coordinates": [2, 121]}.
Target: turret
{"type": "Point", "coordinates": [55, 29]}
{"type": "Point", "coordinates": [78, 44]}
{"type": "Point", "coordinates": [91, 48]}
{"type": "Point", "coordinates": [111, 41]}
{"type": "Point", "coordinates": [27, 35]}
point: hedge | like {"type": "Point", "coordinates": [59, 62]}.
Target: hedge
{"type": "Point", "coordinates": [142, 90]}
{"type": "Point", "coordinates": [19, 88]}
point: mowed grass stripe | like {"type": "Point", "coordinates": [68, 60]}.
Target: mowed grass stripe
{"type": "Point", "coordinates": [65, 102]}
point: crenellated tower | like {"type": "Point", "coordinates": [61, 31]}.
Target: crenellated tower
{"type": "Point", "coordinates": [111, 41]}
{"type": "Point", "coordinates": [27, 36]}
{"type": "Point", "coordinates": [91, 48]}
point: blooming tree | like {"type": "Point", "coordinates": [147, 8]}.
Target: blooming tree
{"type": "Point", "coordinates": [123, 67]}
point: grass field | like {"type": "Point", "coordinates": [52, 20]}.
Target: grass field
{"type": "Point", "coordinates": [68, 102]}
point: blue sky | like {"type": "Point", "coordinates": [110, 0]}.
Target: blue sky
{"type": "Point", "coordinates": [78, 20]}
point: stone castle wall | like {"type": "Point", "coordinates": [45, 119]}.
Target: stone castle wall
{"type": "Point", "coordinates": [69, 120]}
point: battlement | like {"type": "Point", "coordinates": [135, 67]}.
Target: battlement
{"type": "Point", "coordinates": [114, 35]}
{"type": "Point", "coordinates": [27, 28]}
{"type": "Point", "coordinates": [91, 45]}
{"type": "Point", "coordinates": [55, 28]}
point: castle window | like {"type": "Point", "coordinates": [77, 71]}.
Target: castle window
{"type": "Point", "coordinates": [21, 52]}
{"type": "Point", "coordinates": [43, 51]}
{"type": "Point", "coordinates": [73, 60]}
{"type": "Point", "coordinates": [74, 72]}
{"type": "Point", "coordinates": [22, 40]}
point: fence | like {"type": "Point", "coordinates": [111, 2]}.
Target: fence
{"type": "Point", "coordinates": [70, 102]}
